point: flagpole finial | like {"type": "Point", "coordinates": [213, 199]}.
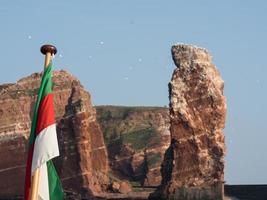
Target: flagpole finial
{"type": "Point", "coordinates": [48, 48]}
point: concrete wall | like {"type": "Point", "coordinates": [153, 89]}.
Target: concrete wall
{"type": "Point", "coordinates": [248, 192]}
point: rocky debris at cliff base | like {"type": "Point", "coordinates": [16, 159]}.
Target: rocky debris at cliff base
{"type": "Point", "coordinates": [125, 188]}
{"type": "Point", "coordinates": [120, 187]}
{"type": "Point", "coordinates": [230, 198]}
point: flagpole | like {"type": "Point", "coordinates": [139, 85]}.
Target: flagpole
{"type": "Point", "coordinates": [48, 50]}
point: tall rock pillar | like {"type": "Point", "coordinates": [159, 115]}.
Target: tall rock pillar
{"type": "Point", "coordinates": [194, 163]}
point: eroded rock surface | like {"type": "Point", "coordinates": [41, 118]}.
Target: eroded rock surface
{"type": "Point", "coordinates": [194, 163]}
{"type": "Point", "coordinates": [83, 163]}
{"type": "Point", "coordinates": [136, 139]}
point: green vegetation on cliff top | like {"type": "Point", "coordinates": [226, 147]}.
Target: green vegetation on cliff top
{"type": "Point", "coordinates": [128, 125]}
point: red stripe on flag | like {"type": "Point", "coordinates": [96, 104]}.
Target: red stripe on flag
{"type": "Point", "coordinates": [46, 114]}
{"type": "Point", "coordinates": [28, 176]}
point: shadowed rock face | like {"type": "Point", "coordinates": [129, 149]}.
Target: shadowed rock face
{"type": "Point", "coordinates": [194, 167]}
{"type": "Point", "coordinates": [83, 162]}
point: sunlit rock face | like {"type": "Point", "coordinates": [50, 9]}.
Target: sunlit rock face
{"type": "Point", "coordinates": [82, 164]}
{"type": "Point", "coordinates": [193, 167]}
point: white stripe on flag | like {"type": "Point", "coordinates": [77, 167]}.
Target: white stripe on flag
{"type": "Point", "coordinates": [43, 190]}
{"type": "Point", "coordinates": [45, 147]}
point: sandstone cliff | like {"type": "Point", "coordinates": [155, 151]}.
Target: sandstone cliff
{"type": "Point", "coordinates": [136, 139]}
{"type": "Point", "coordinates": [193, 167]}
{"type": "Point", "coordinates": [83, 162]}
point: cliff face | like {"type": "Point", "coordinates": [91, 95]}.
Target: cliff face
{"type": "Point", "coordinates": [194, 167]}
{"type": "Point", "coordinates": [82, 164]}
{"type": "Point", "coordinates": [136, 139]}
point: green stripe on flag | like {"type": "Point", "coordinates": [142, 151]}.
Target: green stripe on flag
{"type": "Point", "coordinates": [55, 189]}
{"type": "Point", "coordinates": [45, 88]}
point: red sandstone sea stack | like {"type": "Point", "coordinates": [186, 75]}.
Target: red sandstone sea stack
{"type": "Point", "coordinates": [193, 167]}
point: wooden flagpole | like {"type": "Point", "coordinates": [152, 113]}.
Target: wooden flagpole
{"type": "Point", "coordinates": [48, 51]}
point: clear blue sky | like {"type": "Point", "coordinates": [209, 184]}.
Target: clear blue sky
{"type": "Point", "coordinates": [120, 50]}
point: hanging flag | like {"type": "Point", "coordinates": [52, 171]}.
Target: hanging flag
{"type": "Point", "coordinates": [43, 145]}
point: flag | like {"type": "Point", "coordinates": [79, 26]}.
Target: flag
{"type": "Point", "coordinates": [43, 145]}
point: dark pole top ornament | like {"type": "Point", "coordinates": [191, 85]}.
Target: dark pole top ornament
{"type": "Point", "coordinates": [48, 48]}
